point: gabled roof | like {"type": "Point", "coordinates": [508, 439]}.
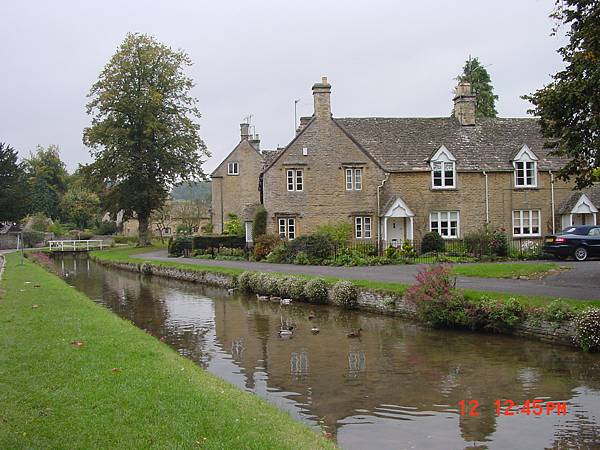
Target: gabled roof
{"type": "Point", "coordinates": [240, 144]}
{"type": "Point", "coordinates": [406, 144]}
{"type": "Point", "coordinates": [592, 193]}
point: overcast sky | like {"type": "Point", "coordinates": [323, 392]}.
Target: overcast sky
{"type": "Point", "coordinates": [383, 58]}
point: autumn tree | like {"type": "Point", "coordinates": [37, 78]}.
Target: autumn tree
{"type": "Point", "coordinates": [144, 131]}
{"type": "Point", "coordinates": [13, 185]}
{"type": "Point", "coordinates": [481, 86]}
{"type": "Point", "coordinates": [569, 106]}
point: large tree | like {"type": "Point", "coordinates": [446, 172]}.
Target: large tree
{"type": "Point", "coordinates": [481, 85]}
{"type": "Point", "coordinates": [569, 106]}
{"type": "Point", "coordinates": [47, 180]}
{"type": "Point", "coordinates": [144, 132]}
{"type": "Point", "coordinates": [13, 186]}
{"type": "Point", "coordinates": [80, 206]}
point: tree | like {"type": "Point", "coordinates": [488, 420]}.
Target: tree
{"type": "Point", "coordinates": [13, 187]}
{"type": "Point", "coordinates": [259, 227]}
{"type": "Point", "coordinates": [481, 85]}
{"type": "Point", "coordinates": [233, 226]}
{"type": "Point", "coordinates": [144, 131]}
{"type": "Point", "coordinates": [569, 106]}
{"type": "Point", "coordinates": [80, 206]}
{"type": "Point", "coordinates": [47, 180]}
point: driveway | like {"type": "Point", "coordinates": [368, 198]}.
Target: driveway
{"type": "Point", "coordinates": [581, 282]}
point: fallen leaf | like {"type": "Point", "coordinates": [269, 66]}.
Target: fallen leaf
{"type": "Point", "coordinates": [77, 344]}
{"type": "Point", "coordinates": [35, 306]}
{"type": "Point", "coordinates": [115, 370]}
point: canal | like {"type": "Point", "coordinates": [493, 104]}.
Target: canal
{"type": "Point", "coordinates": [397, 386]}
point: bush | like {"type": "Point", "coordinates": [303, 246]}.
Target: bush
{"type": "Point", "coordinates": [277, 255]}
{"type": "Point", "coordinates": [259, 226]}
{"type": "Point", "coordinates": [486, 242]}
{"type": "Point", "coordinates": [390, 252]}
{"type": "Point", "coordinates": [316, 291]}
{"type": "Point", "coordinates": [180, 245]}
{"type": "Point", "coordinates": [344, 293]}
{"type": "Point", "coordinates": [494, 315]}
{"type": "Point", "coordinates": [217, 241]}
{"type": "Point", "coordinates": [265, 244]}
{"type": "Point", "coordinates": [58, 229]}
{"type": "Point", "coordinates": [407, 250]}
{"type": "Point", "coordinates": [105, 228]}
{"type": "Point", "coordinates": [587, 330]}
{"type": "Point", "coordinates": [432, 242]}
{"type": "Point", "coordinates": [244, 281]}
{"type": "Point", "coordinates": [39, 222]}
{"type": "Point", "coordinates": [233, 226]}
{"type": "Point", "coordinates": [301, 259]}
{"type": "Point", "coordinates": [317, 246]}
{"type": "Point", "coordinates": [207, 228]}
{"type": "Point", "coordinates": [125, 239]}
{"type": "Point", "coordinates": [339, 234]}
{"type": "Point", "coordinates": [291, 287]}
{"type": "Point", "coordinates": [146, 268]}
{"type": "Point", "coordinates": [33, 238]}
{"type": "Point", "coordinates": [559, 311]}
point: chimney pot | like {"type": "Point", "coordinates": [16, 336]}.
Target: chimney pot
{"type": "Point", "coordinates": [244, 131]}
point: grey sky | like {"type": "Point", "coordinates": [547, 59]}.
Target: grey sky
{"type": "Point", "coordinates": [383, 58]}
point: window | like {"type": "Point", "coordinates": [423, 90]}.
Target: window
{"type": "Point", "coordinates": [525, 164]}
{"type": "Point", "coordinates": [594, 232]}
{"type": "Point", "coordinates": [233, 168]}
{"type": "Point", "coordinates": [362, 227]}
{"type": "Point", "coordinates": [443, 169]}
{"type": "Point", "coordinates": [287, 228]}
{"type": "Point", "coordinates": [354, 179]}
{"type": "Point", "coordinates": [295, 181]}
{"type": "Point", "coordinates": [445, 223]}
{"type": "Point", "coordinates": [526, 222]}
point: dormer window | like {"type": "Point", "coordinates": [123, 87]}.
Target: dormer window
{"type": "Point", "coordinates": [525, 164]}
{"type": "Point", "coordinates": [443, 169]}
{"type": "Point", "coordinates": [233, 168]}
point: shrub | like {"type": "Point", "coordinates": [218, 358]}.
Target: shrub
{"type": "Point", "coordinates": [317, 246]}
{"type": "Point", "coordinates": [339, 234]}
{"type": "Point", "coordinates": [39, 222]}
{"type": "Point", "coordinates": [315, 291]}
{"type": "Point", "coordinates": [390, 252]}
{"type": "Point", "coordinates": [265, 244]}
{"type": "Point", "coordinates": [301, 259]}
{"type": "Point", "coordinates": [125, 239]}
{"type": "Point", "coordinates": [344, 293]}
{"type": "Point", "coordinates": [495, 315]}
{"type": "Point", "coordinates": [486, 242]}
{"type": "Point", "coordinates": [259, 226]}
{"type": "Point", "coordinates": [587, 330]}
{"type": "Point", "coordinates": [432, 242]}
{"type": "Point", "coordinates": [233, 226]}
{"type": "Point", "coordinates": [217, 241]}
{"type": "Point", "coordinates": [146, 268]}
{"type": "Point", "coordinates": [407, 250]}
{"type": "Point", "coordinates": [559, 311]}
{"type": "Point", "coordinates": [265, 284]}
{"type": "Point", "coordinates": [58, 229]}
{"type": "Point", "coordinates": [291, 287]}
{"type": "Point", "coordinates": [277, 255]}
{"type": "Point", "coordinates": [245, 281]}
{"type": "Point", "coordinates": [180, 245]}
{"type": "Point", "coordinates": [207, 228]}
{"type": "Point", "coordinates": [105, 228]}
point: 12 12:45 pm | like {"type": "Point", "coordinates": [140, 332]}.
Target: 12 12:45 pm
{"type": "Point", "coordinates": [510, 408]}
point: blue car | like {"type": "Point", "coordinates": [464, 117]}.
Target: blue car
{"type": "Point", "coordinates": [578, 241]}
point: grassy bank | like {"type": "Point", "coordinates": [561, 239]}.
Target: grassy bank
{"type": "Point", "coordinates": [126, 255]}
{"type": "Point", "coordinates": [504, 270]}
{"type": "Point", "coordinates": [74, 375]}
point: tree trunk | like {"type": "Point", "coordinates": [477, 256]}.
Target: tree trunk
{"type": "Point", "coordinates": [143, 234]}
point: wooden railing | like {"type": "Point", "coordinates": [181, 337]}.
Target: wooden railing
{"type": "Point", "coordinates": [77, 245]}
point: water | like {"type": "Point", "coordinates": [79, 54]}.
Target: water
{"type": "Point", "coordinates": [398, 386]}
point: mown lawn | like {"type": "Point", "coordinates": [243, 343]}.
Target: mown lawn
{"type": "Point", "coordinates": [503, 270]}
{"type": "Point", "coordinates": [74, 375]}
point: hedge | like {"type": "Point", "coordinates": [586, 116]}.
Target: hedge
{"type": "Point", "coordinates": [217, 241]}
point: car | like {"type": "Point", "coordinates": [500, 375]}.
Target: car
{"type": "Point", "coordinates": [579, 241]}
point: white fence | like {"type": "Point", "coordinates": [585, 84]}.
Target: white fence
{"type": "Point", "coordinates": [79, 245]}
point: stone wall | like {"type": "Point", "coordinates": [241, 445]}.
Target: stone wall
{"type": "Point", "coordinates": [8, 240]}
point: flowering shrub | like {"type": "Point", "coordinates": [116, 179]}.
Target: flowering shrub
{"type": "Point", "coordinates": [291, 287]}
{"type": "Point", "coordinates": [245, 281]}
{"type": "Point", "coordinates": [264, 244]}
{"type": "Point", "coordinates": [558, 311]}
{"type": "Point", "coordinates": [146, 268]}
{"type": "Point", "coordinates": [587, 330]}
{"type": "Point", "coordinates": [316, 291]}
{"type": "Point", "coordinates": [344, 293]}
{"type": "Point", "coordinates": [494, 315]}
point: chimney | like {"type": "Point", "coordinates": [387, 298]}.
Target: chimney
{"type": "Point", "coordinates": [303, 122]}
{"type": "Point", "coordinates": [464, 104]}
{"type": "Point", "coordinates": [245, 131]}
{"type": "Point", "coordinates": [322, 93]}
{"type": "Point", "coordinates": [255, 142]}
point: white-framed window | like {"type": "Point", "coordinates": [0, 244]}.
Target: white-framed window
{"type": "Point", "coordinates": [295, 180]}
{"type": "Point", "coordinates": [354, 179]}
{"type": "Point", "coordinates": [446, 223]}
{"type": "Point", "coordinates": [525, 164]}
{"type": "Point", "coordinates": [443, 169]}
{"type": "Point", "coordinates": [526, 222]}
{"type": "Point", "coordinates": [233, 168]}
{"type": "Point", "coordinates": [362, 227]}
{"type": "Point", "coordinates": [287, 228]}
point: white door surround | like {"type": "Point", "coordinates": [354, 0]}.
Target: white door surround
{"type": "Point", "coordinates": [397, 223]}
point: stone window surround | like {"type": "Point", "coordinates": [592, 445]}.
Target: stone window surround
{"type": "Point", "coordinates": [233, 168]}
{"type": "Point", "coordinates": [530, 218]}
{"type": "Point", "coordinates": [353, 178]}
{"type": "Point", "coordinates": [363, 227]}
{"type": "Point", "coordinates": [448, 218]}
{"type": "Point", "coordinates": [294, 179]}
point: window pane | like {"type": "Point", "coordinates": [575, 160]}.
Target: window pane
{"type": "Point", "coordinates": [282, 228]}
{"type": "Point", "coordinates": [448, 174]}
{"type": "Point", "coordinates": [299, 181]}
{"type": "Point", "coordinates": [520, 171]}
{"type": "Point", "coordinates": [358, 179]}
{"type": "Point", "coordinates": [290, 180]}
{"type": "Point", "coordinates": [530, 173]}
{"type": "Point", "coordinates": [367, 221]}
{"type": "Point", "coordinates": [437, 174]}
{"type": "Point", "coordinates": [348, 179]}
{"type": "Point", "coordinates": [358, 227]}
{"type": "Point", "coordinates": [291, 228]}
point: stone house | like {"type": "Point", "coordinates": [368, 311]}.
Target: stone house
{"type": "Point", "coordinates": [581, 207]}
{"type": "Point", "coordinates": [235, 182]}
{"type": "Point", "coordinates": [395, 179]}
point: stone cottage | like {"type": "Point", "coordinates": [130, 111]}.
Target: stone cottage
{"type": "Point", "coordinates": [395, 179]}
{"type": "Point", "coordinates": [235, 182]}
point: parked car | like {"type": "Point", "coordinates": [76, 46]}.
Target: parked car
{"type": "Point", "coordinates": [579, 241]}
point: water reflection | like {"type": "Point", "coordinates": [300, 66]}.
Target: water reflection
{"type": "Point", "coordinates": [398, 386]}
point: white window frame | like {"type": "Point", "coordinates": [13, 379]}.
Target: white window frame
{"type": "Point", "coordinates": [446, 162]}
{"type": "Point", "coordinates": [295, 180]}
{"type": "Point", "coordinates": [445, 216]}
{"type": "Point", "coordinates": [525, 161]}
{"type": "Point", "coordinates": [363, 227]}
{"type": "Point", "coordinates": [233, 168]}
{"type": "Point", "coordinates": [522, 216]}
{"type": "Point", "coordinates": [354, 178]}
{"type": "Point", "coordinates": [287, 228]}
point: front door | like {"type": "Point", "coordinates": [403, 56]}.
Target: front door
{"type": "Point", "coordinates": [395, 231]}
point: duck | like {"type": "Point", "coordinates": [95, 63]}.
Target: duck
{"type": "Point", "coordinates": [311, 315]}
{"type": "Point", "coordinates": [231, 291]}
{"type": "Point", "coordinates": [315, 330]}
{"type": "Point", "coordinates": [285, 334]}
{"type": "Point", "coordinates": [286, 301]}
{"type": "Point", "coordinates": [274, 298]}
{"type": "Point", "coordinates": [262, 297]}
{"type": "Point", "coordinates": [354, 334]}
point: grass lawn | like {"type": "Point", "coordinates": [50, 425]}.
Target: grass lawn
{"type": "Point", "coordinates": [503, 270]}
{"type": "Point", "coordinates": [74, 375]}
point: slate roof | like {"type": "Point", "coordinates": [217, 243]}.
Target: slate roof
{"type": "Point", "coordinates": [269, 156]}
{"type": "Point", "coordinates": [592, 192]}
{"type": "Point", "coordinates": [406, 144]}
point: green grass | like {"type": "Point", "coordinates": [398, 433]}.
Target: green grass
{"type": "Point", "coordinates": [128, 255]}
{"type": "Point", "coordinates": [56, 395]}
{"type": "Point", "coordinates": [503, 270]}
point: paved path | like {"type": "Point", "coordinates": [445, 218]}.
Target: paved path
{"type": "Point", "coordinates": [581, 282]}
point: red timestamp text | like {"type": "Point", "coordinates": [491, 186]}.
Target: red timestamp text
{"type": "Point", "coordinates": [510, 408]}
